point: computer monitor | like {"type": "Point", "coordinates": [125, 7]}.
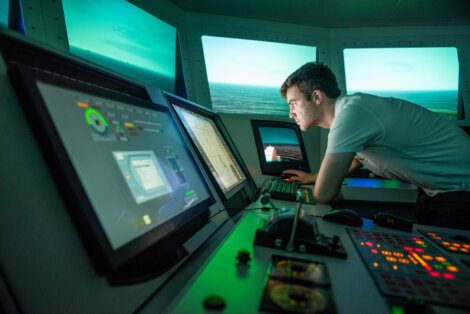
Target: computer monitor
{"type": "Point", "coordinates": [213, 146]}
{"type": "Point", "coordinates": [139, 46]}
{"type": "Point", "coordinates": [124, 169]}
{"type": "Point", "coordinates": [279, 146]}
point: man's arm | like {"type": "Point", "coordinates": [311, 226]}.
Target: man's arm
{"type": "Point", "coordinates": [333, 169]}
{"type": "Point", "coordinates": [310, 178]}
{"type": "Point", "coordinates": [355, 164]}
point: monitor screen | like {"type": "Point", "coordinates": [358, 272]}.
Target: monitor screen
{"type": "Point", "coordinates": [123, 160]}
{"type": "Point", "coordinates": [404, 72]}
{"type": "Point", "coordinates": [244, 75]}
{"type": "Point", "coordinates": [279, 146]}
{"type": "Point", "coordinates": [4, 7]}
{"type": "Point", "coordinates": [209, 139]}
{"type": "Point", "coordinates": [119, 35]}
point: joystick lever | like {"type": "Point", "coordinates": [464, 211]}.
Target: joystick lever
{"type": "Point", "coordinates": [293, 229]}
{"type": "Point", "coordinates": [300, 197]}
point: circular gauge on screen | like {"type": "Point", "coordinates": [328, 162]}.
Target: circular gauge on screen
{"type": "Point", "coordinates": [97, 122]}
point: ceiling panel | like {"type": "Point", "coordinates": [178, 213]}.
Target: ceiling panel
{"type": "Point", "coordinates": [339, 13]}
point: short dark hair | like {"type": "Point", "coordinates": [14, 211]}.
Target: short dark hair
{"type": "Point", "coordinates": [311, 76]}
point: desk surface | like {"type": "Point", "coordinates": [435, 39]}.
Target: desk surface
{"type": "Point", "coordinates": [242, 287]}
{"type": "Point", "coordinates": [381, 190]}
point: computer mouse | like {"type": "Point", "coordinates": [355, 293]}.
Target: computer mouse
{"type": "Point", "coordinates": [344, 216]}
{"type": "Point", "coordinates": [286, 176]}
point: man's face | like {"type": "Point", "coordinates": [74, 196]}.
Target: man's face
{"type": "Point", "coordinates": [303, 111]}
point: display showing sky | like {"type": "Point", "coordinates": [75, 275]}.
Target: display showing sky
{"type": "Point", "coordinates": [401, 69]}
{"type": "Point", "coordinates": [116, 29]}
{"type": "Point", "coordinates": [252, 62]}
{"type": "Point", "coordinates": [4, 12]}
{"type": "Point", "coordinates": [270, 135]}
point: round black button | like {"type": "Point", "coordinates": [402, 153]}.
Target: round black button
{"type": "Point", "coordinates": [243, 256]}
{"type": "Point", "coordinates": [214, 302]}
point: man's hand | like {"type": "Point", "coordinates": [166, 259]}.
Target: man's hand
{"type": "Point", "coordinates": [301, 176]}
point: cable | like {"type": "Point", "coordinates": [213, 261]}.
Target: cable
{"type": "Point", "coordinates": [248, 209]}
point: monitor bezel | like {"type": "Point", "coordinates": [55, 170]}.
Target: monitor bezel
{"type": "Point", "coordinates": [24, 79]}
{"type": "Point", "coordinates": [194, 107]}
{"type": "Point", "coordinates": [277, 168]}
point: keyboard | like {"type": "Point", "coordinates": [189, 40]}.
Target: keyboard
{"type": "Point", "coordinates": [282, 190]}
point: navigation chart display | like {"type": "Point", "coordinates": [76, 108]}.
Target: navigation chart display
{"type": "Point", "coordinates": [213, 149]}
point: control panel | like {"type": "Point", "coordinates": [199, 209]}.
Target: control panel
{"type": "Point", "coordinates": [408, 266]}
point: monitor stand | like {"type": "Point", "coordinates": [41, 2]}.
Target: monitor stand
{"type": "Point", "coordinates": [160, 257]}
{"type": "Point", "coordinates": [148, 265]}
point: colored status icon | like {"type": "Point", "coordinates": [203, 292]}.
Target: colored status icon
{"type": "Point", "coordinates": [96, 121]}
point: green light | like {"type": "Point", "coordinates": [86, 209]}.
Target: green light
{"type": "Point", "coordinates": [89, 112]}
{"type": "Point", "coordinates": [397, 310]}
{"type": "Point", "coordinates": [391, 184]}
{"type": "Point", "coordinates": [189, 193]}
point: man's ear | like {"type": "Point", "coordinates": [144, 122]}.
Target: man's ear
{"type": "Point", "coordinates": [317, 96]}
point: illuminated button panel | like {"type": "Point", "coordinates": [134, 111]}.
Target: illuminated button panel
{"type": "Point", "coordinates": [404, 266]}
{"type": "Point", "coordinates": [452, 242]}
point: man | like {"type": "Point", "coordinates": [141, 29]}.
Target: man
{"type": "Point", "coordinates": [394, 138]}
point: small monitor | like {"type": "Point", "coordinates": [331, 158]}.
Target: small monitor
{"type": "Point", "coordinates": [280, 147]}
{"type": "Point", "coordinates": [124, 167]}
{"type": "Point", "coordinates": [212, 144]}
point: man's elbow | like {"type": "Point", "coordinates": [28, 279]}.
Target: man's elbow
{"type": "Point", "coordinates": [323, 198]}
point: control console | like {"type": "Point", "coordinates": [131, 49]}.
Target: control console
{"type": "Point", "coordinates": [276, 231]}
{"type": "Point", "coordinates": [290, 269]}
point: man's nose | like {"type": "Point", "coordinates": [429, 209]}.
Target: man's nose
{"type": "Point", "coordinates": [291, 114]}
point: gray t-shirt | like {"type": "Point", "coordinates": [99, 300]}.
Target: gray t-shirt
{"type": "Point", "coordinates": [397, 139]}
